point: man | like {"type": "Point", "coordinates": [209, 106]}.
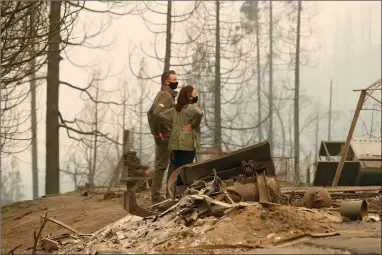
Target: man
{"type": "Point", "coordinates": [161, 131]}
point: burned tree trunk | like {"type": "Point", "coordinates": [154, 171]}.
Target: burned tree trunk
{"type": "Point", "coordinates": [217, 119]}
{"type": "Point", "coordinates": [168, 38]}
{"type": "Point", "coordinates": [94, 165]}
{"type": "Point", "coordinates": [330, 113]}
{"type": "Point", "coordinates": [282, 132]}
{"type": "Point", "coordinates": [33, 110]}
{"type": "Point", "coordinates": [270, 99]}
{"type": "Point", "coordinates": [52, 179]}
{"type": "Point", "coordinates": [259, 119]}
{"type": "Point", "coordinates": [296, 99]}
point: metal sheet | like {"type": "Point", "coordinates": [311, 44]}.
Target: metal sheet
{"type": "Point", "coordinates": [367, 148]}
{"type": "Point", "coordinates": [259, 153]}
{"type": "Point", "coordinates": [334, 148]}
{"type": "Point", "coordinates": [371, 164]}
{"type": "Point", "coordinates": [130, 205]}
{"type": "Point", "coordinates": [369, 176]}
{"type": "Point", "coordinates": [326, 171]}
{"type": "Point", "coordinates": [247, 191]}
{"type": "Point", "coordinates": [262, 186]}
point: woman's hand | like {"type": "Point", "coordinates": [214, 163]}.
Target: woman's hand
{"type": "Point", "coordinates": [187, 128]}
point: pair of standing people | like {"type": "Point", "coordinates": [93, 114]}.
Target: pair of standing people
{"type": "Point", "coordinates": [175, 128]}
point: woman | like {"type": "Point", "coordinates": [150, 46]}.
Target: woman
{"type": "Point", "coordinates": [185, 135]}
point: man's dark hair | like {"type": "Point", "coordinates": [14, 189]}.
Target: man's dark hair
{"type": "Point", "coordinates": [166, 75]}
{"type": "Point", "coordinates": [183, 98]}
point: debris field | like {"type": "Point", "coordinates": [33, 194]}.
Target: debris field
{"type": "Point", "coordinates": [235, 207]}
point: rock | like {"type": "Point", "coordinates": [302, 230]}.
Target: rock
{"type": "Point", "coordinates": [49, 245]}
{"type": "Point", "coordinates": [371, 218]}
{"type": "Point", "coordinates": [109, 194]}
{"type": "Point", "coordinates": [199, 222]}
{"type": "Point", "coordinates": [187, 232]}
{"type": "Point", "coordinates": [120, 235]}
{"type": "Point", "coordinates": [211, 222]}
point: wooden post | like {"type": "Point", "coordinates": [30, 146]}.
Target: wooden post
{"type": "Point", "coordinates": [326, 151]}
{"type": "Point", "coordinates": [308, 176]}
{"type": "Point", "coordinates": [348, 139]}
{"type": "Point", "coordinates": [126, 134]}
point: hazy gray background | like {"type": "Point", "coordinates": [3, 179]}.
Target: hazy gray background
{"type": "Point", "coordinates": [337, 25]}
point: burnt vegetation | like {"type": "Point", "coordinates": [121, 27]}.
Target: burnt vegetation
{"type": "Point", "coordinates": [247, 61]}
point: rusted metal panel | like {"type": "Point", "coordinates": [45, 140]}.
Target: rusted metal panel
{"type": "Point", "coordinates": [367, 148]}
{"type": "Point", "coordinates": [334, 148]}
{"type": "Point", "coordinates": [130, 205]}
{"type": "Point", "coordinates": [369, 176]}
{"type": "Point", "coordinates": [259, 153]}
{"type": "Point", "coordinates": [248, 191]}
{"type": "Point", "coordinates": [326, 171]}
{"type": "Point", "coordinates": [365, 154]}
{"type": "Point", "coordinates": [371, 164]}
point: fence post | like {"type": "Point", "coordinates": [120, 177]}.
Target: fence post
{"type": "Point", "coordinates": [126, 148]}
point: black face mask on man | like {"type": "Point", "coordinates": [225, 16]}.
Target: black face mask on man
{"type": "Point", "coordinates": [173, 85]}
{"type": "Point", "coordinates": [194, 100]}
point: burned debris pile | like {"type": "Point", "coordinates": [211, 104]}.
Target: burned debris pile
{"type": "Point", "coordinates": [229, 204]}
{"type": "Point", "coordinates": [190, 227]}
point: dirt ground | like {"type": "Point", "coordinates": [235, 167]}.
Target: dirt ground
{"type": "Point", "coordinates": [84, 213]}
{"type": "Point", "coordinates": [253, 225]}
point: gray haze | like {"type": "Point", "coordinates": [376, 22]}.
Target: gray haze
{"type": "Point", "coordinates": [337, 25]}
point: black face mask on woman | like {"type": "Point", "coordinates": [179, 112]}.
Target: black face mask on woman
{"type": "Point", "coordinates": [194, 100]}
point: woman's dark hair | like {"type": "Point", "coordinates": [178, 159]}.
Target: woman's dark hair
{"type": "Point", "coordinates": [183, 98]}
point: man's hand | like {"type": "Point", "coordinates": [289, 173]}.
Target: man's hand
{"type": "Point", "coordinates": [187, 128]}
{"type": "Point", "coordinates": [160, 136]}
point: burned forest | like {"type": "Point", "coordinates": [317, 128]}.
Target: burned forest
{"type": "Point", "coordinates": [191, 127]}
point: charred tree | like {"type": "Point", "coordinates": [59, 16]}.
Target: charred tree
{"type": "Point", "coordinates": [52, 182]}
{"type": "Point", "coordinates": [270, 96]}
{"type": "Point", "coordinates": [168, 38]}
{"type": "Point", "coordinates": [296, 98]}
{"type": "Point", "coordinates": [217, 91]}
{"type": "Point", "coordinates": [258, 61]}
{"type": "Point", "coordinates": [33, 110]}
{"type": "Point", "coordinates": [95, 148]}
{"type": "Point", "coordinates": [330, 112]}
